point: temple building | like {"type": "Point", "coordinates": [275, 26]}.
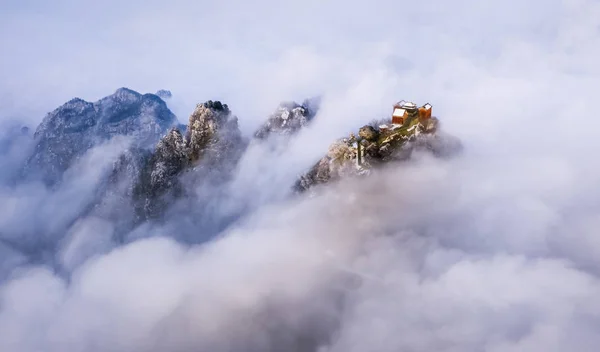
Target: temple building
{"type": "Point", "coordinates": [403, 110]}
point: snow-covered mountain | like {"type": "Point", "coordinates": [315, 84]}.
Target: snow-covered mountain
{"type": "Point", "coordinates": [192, 184]}
{"type": "Point", "coordinates": [196, 169]}
{"type": "Point", "coordinates": [208, 151]}
{"type": "Point", "coordinates": [68, 132]}
{"type": "Point", "coordinates": [288, 118]}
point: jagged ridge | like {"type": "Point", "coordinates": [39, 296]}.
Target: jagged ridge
{"type": "Point", "coordinates": [72, 129]}
{"type": "Point", "coordinates": [377, 143]}
{"type": "Point", "coordinates": [212, 141]}
{"type": "Point", "coordinates": [289, 118]}
{"type": "Point", "coordinates": [207, 150]}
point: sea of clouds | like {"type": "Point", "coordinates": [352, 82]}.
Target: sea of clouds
{"type": "Point", "coordinates": [496, 249]}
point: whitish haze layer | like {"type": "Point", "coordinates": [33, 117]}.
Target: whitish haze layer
{"type": "Point", "coordinates": [495, 250]}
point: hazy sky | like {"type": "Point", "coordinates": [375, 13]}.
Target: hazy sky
{"type": "Point", "coordinates": [253, 54]}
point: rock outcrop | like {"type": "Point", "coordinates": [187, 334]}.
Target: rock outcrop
{"type": "Point", "coordinates": [69, 131]}
{"type": "Point", "coordinates": [211, 147]}
{"type": "Point", "coordinates": [377, 144]}
{"type": "Point", "coordinates": [164, 94]}
{"type": "Point", "coordinates": [289, 118]}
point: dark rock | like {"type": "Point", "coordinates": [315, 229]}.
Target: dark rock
{"type": "Point", "coordinates": [158, 178]}
{"type": "Point", "coordinates": [369, 133]}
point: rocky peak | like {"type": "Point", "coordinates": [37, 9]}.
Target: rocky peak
{"type": "Point", "coordinates": [70, 130]}
{"type": "Point", "coordinates": [75, 115]}
{"type": "Point", "coordinates": [124, 95]}
{"type": "Point", "coordinates": [210, 123]}
{"type": "Point", "coordinates": [378, 143]}
{"type": "Point", "coordinates": [159, 174]}
{"type": "Point", "coordinates": [212, 142]}
{"type": "Point", "coordinates": [164, 94]}
{"type": "Point", "coordinates": [288, 118]}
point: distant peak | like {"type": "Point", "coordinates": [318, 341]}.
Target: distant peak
{"type": "Point", "coordinates": [164, 94]}
{"type": "Point", "coordinates": [77, 101]}
{"type": "Point", "coordinates": [288, 118]}
{"type": "Point", "coordinates": [126, 92]}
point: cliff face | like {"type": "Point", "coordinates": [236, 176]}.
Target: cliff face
{"type": "Point", "coordinates": [69, 131]}
{"type": "Point", "coordinates": [375, 145]}
{"type": "Point", "coordinates": [211, 147]}
{"type": "Point", "coordinates": [213, 135]}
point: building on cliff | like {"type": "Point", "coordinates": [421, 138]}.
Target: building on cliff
{"type": "Point", "coordinates": [404, 110]}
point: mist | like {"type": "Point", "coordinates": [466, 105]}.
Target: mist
{"type": "Point", "coordinates": [495, 249]}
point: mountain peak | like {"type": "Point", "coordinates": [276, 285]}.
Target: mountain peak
{"type": "Point", "coordinates": [76, 101]}
{"type": "Point", "coordinates": [124, 91]}
{"type": "Point", "coordinates": [393, 139]}
{"type": "Point", "coordinates": [164, 94]}
{"type": "Point", "coordinates": [212, 142]}
{"type": "Point", "coordinates": [288, 118]}
{"type": "Point", "coordinates": [73, 128]}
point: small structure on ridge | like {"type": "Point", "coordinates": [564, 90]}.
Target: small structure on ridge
{"type": "Point", "coordinates": [403, 111]}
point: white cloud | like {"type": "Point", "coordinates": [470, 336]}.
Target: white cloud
{"type": "Point", "coordinates": [495, 250]}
